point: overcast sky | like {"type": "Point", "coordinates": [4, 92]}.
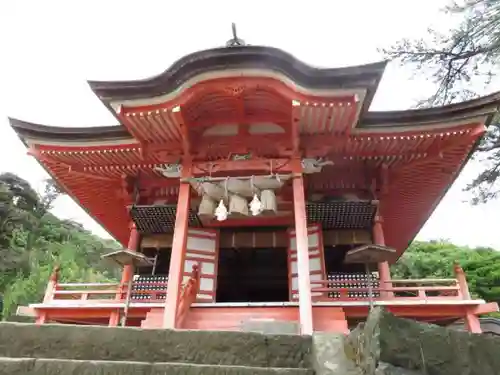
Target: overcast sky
{"type": "Point", "coordinates": [48, 49]}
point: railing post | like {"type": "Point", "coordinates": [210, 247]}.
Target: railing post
{"type": "Point", "coordinates": [49, 293]}
{"type": "Point", "coordinates": [189, 292]}
{"type": "Point", "coordinates": [471, 320]}
{"type": "Point", "coordinates": [52, 285]}
{"type": "Point", "coordinates": [422, 293]}
{"type": "Point", "coordinates": [462, 282]}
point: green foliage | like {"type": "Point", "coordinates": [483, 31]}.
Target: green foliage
{"type": "Point", "coordinates": [33, 241]}
{"type": "Point", "coordinates": [435, 259]}
{"type": "Point", "coordinates": [466, 55]}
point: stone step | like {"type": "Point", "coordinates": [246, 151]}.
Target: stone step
{"type": "Point", "coordinates": [31, 366]}
{"type": "Point", "coordinates": [18, 340]}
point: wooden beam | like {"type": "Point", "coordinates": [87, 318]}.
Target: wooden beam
{"type": "Point", "coordinates": [128, 122]}
{"type": "Point", "coordinates": [295, 123]}
{"type": "Point", "coordinates": [181, 122]}
{"type": "Point", "coordinates": [238, 238]}
{"type": "Point", "coordinates": [260, 164]}
{"type": "Point", "coordinates": [257, 144]}
{"type": "Point", "coordinates": [352, 116]}
{"type": "Point", "coordinates": [485, 308]}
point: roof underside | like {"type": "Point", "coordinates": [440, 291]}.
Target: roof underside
{"type": "Point", "coordinates": [267, 89]}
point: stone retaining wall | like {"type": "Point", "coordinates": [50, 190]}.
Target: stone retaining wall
{"type": "Point", "coordinates": [393, 346]}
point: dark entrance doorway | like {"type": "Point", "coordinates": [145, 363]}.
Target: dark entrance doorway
{"type": "Point", "coordinates": [252, 275]}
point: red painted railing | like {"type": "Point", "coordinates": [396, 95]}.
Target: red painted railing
{"type": "Point", "coordinates": [413, 289]}
{"type": "Point", "coordinates": [416, 289]}
{"type": "Point", "coordinates": [423, 289]}
{"type": "Point", "coordinates": [94, 293]}
{"type": "Point", "coordinates": [188, 295]}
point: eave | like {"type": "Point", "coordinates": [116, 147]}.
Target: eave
{"type": "Point", "coordinates": [426, 119]}
{"type": "Point", "coordinates": [484, 106]}
{"type": "Point", "coordinates": [32, 133]}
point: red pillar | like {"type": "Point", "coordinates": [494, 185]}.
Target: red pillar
{"type": "Point", "coordinates": [177, 258]}
{"type": "Point", "coordinates": [384, 271]}
{"type": "Point", "coordinates": [304, 279]}
{"type": "Point", "coordinates": [127, 273]}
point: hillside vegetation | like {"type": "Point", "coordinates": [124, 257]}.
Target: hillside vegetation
{"type": "Point", "coordinates": [33, 241]}
{"type": "Point", "coordinates": [435, 259]}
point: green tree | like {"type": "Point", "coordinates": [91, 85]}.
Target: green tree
{"type": "Point", "coordinates": [33, 241]}
{"type": "Point", "coordinates": [435, 259]}
{"type": "Point", "coordinates": [469, 54]}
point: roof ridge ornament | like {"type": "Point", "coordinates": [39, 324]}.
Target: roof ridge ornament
{"type": "Point", "coordinates": [235, 41]}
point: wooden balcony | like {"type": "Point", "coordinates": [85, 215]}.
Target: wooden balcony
{"type": "Point", "coordinates": [153, 290]}
{"type": "Point", "coordinates": [435, 300]}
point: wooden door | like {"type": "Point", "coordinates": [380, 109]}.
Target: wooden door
{"type": "Point", "coordinates": [316, 260]}
{"type": "Point", "coordinates": [203, 248]}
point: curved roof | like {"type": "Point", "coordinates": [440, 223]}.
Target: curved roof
{"type": "Point", "coordinates": [237, 58]}
{"type": "Point", "coordinates": [43, 132]}
{"type": "Point", "coordinates": [371, 121]}
{"type": "Point", "coordinates": [486, 105]}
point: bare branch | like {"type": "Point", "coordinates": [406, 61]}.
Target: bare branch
{"type": "Point", "coordinates": [468, 54]}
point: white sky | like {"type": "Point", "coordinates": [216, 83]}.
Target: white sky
{"type": "Point", "coordinates": [48, 49]}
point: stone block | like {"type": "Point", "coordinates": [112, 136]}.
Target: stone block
{"type": "Point", "coordinates": [131, 344]}
{"type": "Point", "coordinates": [329, 357]}
{"type": "Point", "coordinates": [21, 366]}
{"type": "Point", "coordinates": [387, 345]}
{"type": "Point", "coordinates": [270, 326]}
{"type": "Point", "coordinates": [435, 350]}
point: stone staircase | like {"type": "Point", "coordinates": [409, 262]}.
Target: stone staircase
{"type": "Point", "coordinates": [384, 345]}
{"type": "Point", "coordinates": [27, 349]}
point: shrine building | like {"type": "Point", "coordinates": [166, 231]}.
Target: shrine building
{"type": "Point", "coordinates": [251, 191]}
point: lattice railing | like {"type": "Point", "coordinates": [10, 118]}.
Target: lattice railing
{"type": "Point", "coordinates": [357, 289]}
